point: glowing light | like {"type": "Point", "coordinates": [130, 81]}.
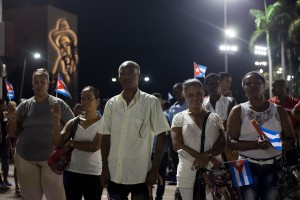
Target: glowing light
{"type": "Point", "coordinates": [113, 79]}
{"type": "Point", "coordinates": [146, 79]}
{"type": "Point", "coordinates": [230, 33]}
{"type": "Point", "coordinates": [37, 55]}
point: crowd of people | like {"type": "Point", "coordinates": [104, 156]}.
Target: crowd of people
{"type": "Point", "coordinates": [128, 147]}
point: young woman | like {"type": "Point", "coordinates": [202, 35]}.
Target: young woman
{"type": "Point", "coordinates": [82, 175]}
{"type": "Point", "coordinates": [262, 156]}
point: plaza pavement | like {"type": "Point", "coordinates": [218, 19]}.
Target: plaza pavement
{"type": "Point", "coordinates": [10, 193]}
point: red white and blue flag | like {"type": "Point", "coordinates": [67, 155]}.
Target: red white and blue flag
{"type": "Point", "coordinates": [240, 173]}
{"type": "Point", "coordinates": [61, 87]}
{"type": "Point", "coordinates": [199, 70]}
{"type": "Point", "coordinates": [273, 137]}
{"type": "Point", "coordinates": [10, 90]}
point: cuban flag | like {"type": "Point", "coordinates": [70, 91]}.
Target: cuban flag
{"type": "Point", "coordinates": [10, 90]}
{"type": "Point", "coordinates": [170, 96]}
{"type": "Point", "coordinates": [273, 137]}
{"type": "Point", "coordinates": [61, 87]}
{"type": "Point", "coordinates": [240, 173]}
{"type": "Point", "coordinates": [199, 70]}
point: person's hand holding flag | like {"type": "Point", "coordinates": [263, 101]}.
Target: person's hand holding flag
{"type": "Point", "coordinates": [267, 137]}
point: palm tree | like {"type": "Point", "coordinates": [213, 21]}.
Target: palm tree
{"type": "Point", "coordinates": [273, 23]}
{"type": "Point", "coordinates": [262, 28]}
{"type": "Point", "coordinates": [294, 38]}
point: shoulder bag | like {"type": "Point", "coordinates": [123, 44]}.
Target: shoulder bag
{"type": "Point", "coordinates": [199, 186]}
{"type": "Point", "coordinates": [213, 184]}
{"type": "Point", "coordinates": [61, 156]}
{"type": "Point", "coordinates": [289, 177]}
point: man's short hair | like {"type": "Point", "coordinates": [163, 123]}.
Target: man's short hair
{"type": "Point", "coordinates": [224, 75]}
{"type": "Point", "coordinates": [210, 76]}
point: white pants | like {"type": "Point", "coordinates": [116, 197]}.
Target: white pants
{"type": "Point", "coordinates": [36, 179]}
{"type": "Point", "coordinates": [186, 193]}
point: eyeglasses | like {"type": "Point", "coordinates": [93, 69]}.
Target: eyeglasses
{"type": "Point", "coordinates": [130, 74]}
{"type": "Point", "coordinates": [257, 83]}
{"type": "Point", "coordinates": [87, 98]}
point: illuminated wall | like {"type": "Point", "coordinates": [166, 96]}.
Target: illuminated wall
{"type": "Point", "coordinates": [53, 33]}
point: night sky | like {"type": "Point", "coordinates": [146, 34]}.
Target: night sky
{"type": "Point", "coordinates": [164, 36]}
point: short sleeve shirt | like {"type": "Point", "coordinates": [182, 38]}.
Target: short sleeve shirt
{"type": "Point", "coordinates": [192, 138]}
{"type": "Point", "coordinates": [35, 139]}
{"type": "Point", "coordinates": [132, 128]}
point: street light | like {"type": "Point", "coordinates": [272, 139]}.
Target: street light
{"type": "Point", "coordinates": [225, 37]}
{"type": "Point", "coordinates": [35, 56]}
{"type": "Point", "coordinates": [263, 51]}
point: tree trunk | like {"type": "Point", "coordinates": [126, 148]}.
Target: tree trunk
{"type": "Point", "coordinates": [270, 64]}
{"type": "Point", "coordinates": [282, 48]}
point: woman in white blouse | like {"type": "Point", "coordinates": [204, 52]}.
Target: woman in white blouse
{"type": "Point", "coordinates": [82, 175]}
{"type": "Point", "coordinates": [186, 138]}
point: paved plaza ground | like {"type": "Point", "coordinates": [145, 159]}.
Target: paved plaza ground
{"type": "Point", "coordinates": [10, 193]}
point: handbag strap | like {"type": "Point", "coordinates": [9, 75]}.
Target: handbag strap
{"type": "Point", "coordinates": [203, 132]}
{"type": "Point", "coordinates": [74, 127]}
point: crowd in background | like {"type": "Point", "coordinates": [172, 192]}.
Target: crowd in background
{"type": "Point", "coordinates": [137, 140]}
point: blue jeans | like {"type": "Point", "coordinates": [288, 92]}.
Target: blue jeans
{"type": "Point", "coordinates": [264, 183]}
{"type": "Point", "coordinates": [120, 191]}
{"type": "Point", "coordinates": [162, 171]}
{"type": "Point", "coordinates": [175, 161]}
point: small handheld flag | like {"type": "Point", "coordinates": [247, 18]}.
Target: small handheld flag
{"type": "Point", "coordinates": [273, 137]}
{"type": "Point", "coordinates": [259, 131]}
{"type": "Point", "coordinates": [61, 87]}
{"type": "Point", "coordinates": [240, 173]}
{"type": "Point", "coordinates": [10, 90]}
{"type": "Point", "coordinates": [170, 96]}
{"type": "Point", "coordinates": [199, 70]}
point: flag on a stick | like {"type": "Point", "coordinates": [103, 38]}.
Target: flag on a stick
{"type": "Point", "coordinates": [61, 87]}
{"type": "Point", "coordinates": [273, 137]}
{"type": "Point", "coordinates": [199, 70]}
{"type": "Point", "coordinates": [240, 173]}
{"type": "Point", "coordinates": [10, 90]}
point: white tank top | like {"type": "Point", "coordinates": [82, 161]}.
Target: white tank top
{"type": "Point", "coordinates": [268, 119]}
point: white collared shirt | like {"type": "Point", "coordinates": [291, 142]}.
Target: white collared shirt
{"type": "Point", "coordinates": [132, 129]}
{"type": "Point", "coordinates": [221, 106]}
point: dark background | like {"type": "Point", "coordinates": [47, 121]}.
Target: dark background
{"type": "Point", "coordinates": [164, 36]}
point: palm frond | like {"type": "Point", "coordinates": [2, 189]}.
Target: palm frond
{"type": "Point", "coordinates": [254, 38]}
{"type": "Point", "coordinates": [298, 4]}
{"type": "Point", "coordinates": [294, 31]}
{"type": "Point", "coordinates": [255, 13]}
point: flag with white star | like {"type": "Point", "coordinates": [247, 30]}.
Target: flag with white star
{"type": "Point", "coordinates": [240, 173]}
{"type": "Point", "coordinates": [10, 90]}
{"type": "Point", "coordinates": [199, 70]}
{"type": "Point", "coordinates": [61, 87]}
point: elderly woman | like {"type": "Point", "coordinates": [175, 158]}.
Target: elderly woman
{"type": "Point", "coordinates": [262, 156]}
{"type": "Point", "coordinates": [186, 138]}
{"type": "Point", "coordinates": [32, 122]}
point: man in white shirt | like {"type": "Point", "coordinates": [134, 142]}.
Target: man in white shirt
{"type": "Point", "coordinates": [217, 103]}
{"type": "Point", "coordinates": [129, 122]}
